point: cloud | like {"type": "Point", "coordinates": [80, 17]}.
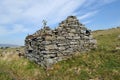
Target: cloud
{"type": "Point", "coordinates": [52, 11]}
{"type": "Point", "coordinates": [28, 12]}
{"type": "Point", "coordinates": [20, 13]}
{"type": "Point", "coordinates": [19, 28]}
{"type": "Point", "coordinates": [87, 22]}
{"type": "Point", "coordinates": [12, 11]}
{"type": "Point", "coordinates": [16, 28]}
{"type": "Point", "coordinates": [87, 15]}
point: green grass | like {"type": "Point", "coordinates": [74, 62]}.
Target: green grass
{"type": "Point", "coordinates": [102, 63]}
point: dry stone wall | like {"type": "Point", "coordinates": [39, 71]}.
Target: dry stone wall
{"type": "Point", "coordinates": [46, 46]}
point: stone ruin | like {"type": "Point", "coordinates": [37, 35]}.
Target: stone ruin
{"type": "Point", "coordinates": [46, 46]}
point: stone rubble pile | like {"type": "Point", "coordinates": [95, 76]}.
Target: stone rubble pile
{"type": "Point", "coordinates": [46, 46]}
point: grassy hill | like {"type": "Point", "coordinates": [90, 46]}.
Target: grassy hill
{"type": "Point", "coordinates": [100, 64]}
{"type": "Point", "coordinates": [9, 45]}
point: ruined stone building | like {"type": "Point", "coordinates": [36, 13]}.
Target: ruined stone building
{"type": "Point", "coordinates": [47, 46]}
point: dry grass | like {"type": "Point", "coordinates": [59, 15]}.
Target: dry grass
{"type": "Point", "coordinates": [17, 68]}
{"type": "Point", "coordinates": [100, 64]}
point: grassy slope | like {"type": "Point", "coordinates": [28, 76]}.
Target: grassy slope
{"type": "Point", "coordinates": [102, 63]}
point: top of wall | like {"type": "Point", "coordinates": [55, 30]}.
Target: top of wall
{"type": "Point", "coordinates": [70, 23]}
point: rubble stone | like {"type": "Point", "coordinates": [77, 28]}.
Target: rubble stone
{"type": "Point", "coordinates": [47, 46]}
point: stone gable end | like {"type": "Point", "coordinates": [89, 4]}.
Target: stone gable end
{"type": "Point", "coordinates": [46, 46]}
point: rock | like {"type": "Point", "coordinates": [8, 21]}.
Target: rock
{"type": "Point", "coordinates": [48, 63]}
{"type": "Point", "coordinates": [51, 47]}
{"type": "Point", "coordinates": [72, 30]}
{"type": "Point", "coordinates": [76, 37]}
{"type": "Point", "coordinates": [93, 41]}
{"type": "Point", "coordinates": [61, 37]}
{"type": "Point", "coordinates": [61, 48]}
{"type": "Point", "coordinates": [118, 48]}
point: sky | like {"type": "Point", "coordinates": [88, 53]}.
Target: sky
{"type": "Point", "coordinates": [18, 18]}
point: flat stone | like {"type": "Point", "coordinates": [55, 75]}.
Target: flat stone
{"type": "Point", "coordinates": [77, 37]}
{"type": "Point", "coordinates": [61, 44]}
{"type": "Point", "coordinates": [72, 30]}
{"type": "Point", "coordinates": [93, 41]}
{"type": "Point", "coordinates": [49, 62]}
{"type": "Point", "coordinates": [60, 37]}
{"type": "Point", "coordinates": [45, 42]}
{"type": "Point", "coordinates": [71, 34]}
{"type": "Point", "coordinates": [49, 47]}
{"type": "Point", "coordinates": [61, 48]}
{"type": "Point", "coordinates": [73, 43]}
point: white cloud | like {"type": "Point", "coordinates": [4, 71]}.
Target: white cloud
{"type": "Point", "coordinates": [19, 28]}
{"type": "Point", "coordinates": [33, 12]}
{"type": "Point", "coordinates": [29, 12]}
{"type": "Point", "coordinates": [16, 28]}
{"type": "Point", "coordinates": [53, 11]}
{"type": "Point", "coordinates": [87, 15]}
{"type": "Point", "coordinates": [19, 16]}
{"type": "Point", "coordinates": [87, 22]}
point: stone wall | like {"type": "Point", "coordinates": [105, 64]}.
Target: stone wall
{"type": "Point", "coordinates": [47, 47]}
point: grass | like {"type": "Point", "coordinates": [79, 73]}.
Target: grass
{"type": "Point", "coordinates": [102, 63]}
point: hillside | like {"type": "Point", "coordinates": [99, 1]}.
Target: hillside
{"type": "Point", "coordinates": [8, 45]}
{"type": "Point", "coordinates": [100, 64]}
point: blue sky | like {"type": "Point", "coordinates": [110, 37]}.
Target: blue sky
{"type": "Point", "coordinates": [18, 18]}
